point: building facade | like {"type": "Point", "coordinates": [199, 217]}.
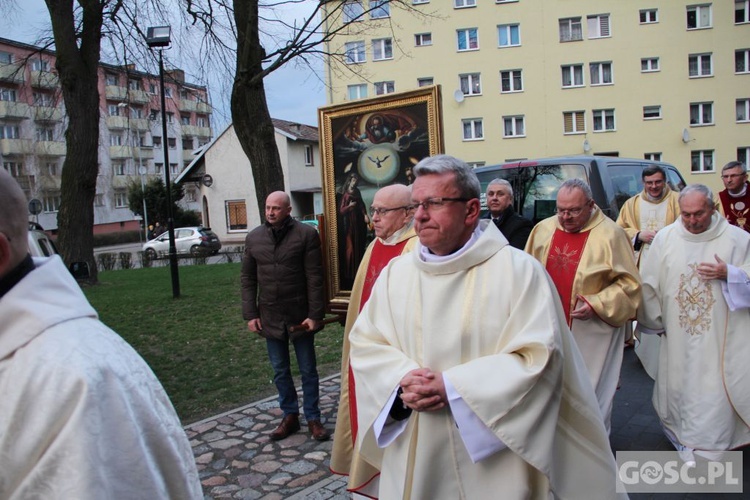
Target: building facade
{"type": "Point", "coordinates": [658, 79]}
{"type": "Point", "coordinates": [131, 146]}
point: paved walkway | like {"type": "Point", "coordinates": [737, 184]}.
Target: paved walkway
{"type": "Point", "coordinates": [237, 460]}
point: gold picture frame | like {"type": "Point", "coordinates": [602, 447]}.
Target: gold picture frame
{"type": "Point", "coordinates": [368, 144]}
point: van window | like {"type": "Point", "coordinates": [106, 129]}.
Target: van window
{"type": "Point", "coordinates": [534, 186]}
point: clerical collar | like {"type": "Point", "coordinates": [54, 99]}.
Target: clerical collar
{"type": "Point", "coordinates": [740, 194]}
{"type": "Point", "coordinates": [396, 236]}
{"type": "Point", "coordinates": [655, 200]}
{"type": "Point", "coordinates": [428, 256]}
{"type": "Point", "coordinates": [17, 274]}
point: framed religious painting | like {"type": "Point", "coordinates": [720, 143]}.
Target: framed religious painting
{"type": "Point", "coordinates": [368, 144]}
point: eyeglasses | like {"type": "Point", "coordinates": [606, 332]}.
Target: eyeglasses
{"type": "Point", "coordinates": [573, 212]}
{"type": "Point", "coordinates": [383, 211]}
{"type": "Point", "coordinates": [435, 203]}
{"type": "Point", "coordinates": [731, 176]}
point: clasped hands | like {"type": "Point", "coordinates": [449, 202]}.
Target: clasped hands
{"type": "Point", "coordinates": [423, 390]}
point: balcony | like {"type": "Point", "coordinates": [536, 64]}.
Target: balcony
{"type": "Point", "coordinates": [116, 93]}
{"type": "Point", "coordinates": [13, 109]}
{"type": "Point", "coordinates": [194, 131]}
{"type": "Point", "coordinates": [15, 146]}
{"type": "Point", "coordinates": [141, 124]}
{"type": "Point", "coordinates": [117, 122]}
{"type": "Point", "coordinates": [50, 148]}
{"type": "Point", "coordinates": [145, 154]}
{"type": "Point", "coordinates": [187, 155]}
{"type": "Point", "coordinates": [188, 105]}
{"type": "Point", "coordinates": [47, 114]}
{"type": "Point", "coordinates": [139, 97]}
{"type": "Point", "coordinates": [120, 152]}
{"type": "Point", "coordinates": [11, 73]}
{"type": "Point", "coordinates": [44, 80]}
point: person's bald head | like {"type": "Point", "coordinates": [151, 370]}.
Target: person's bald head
{"type": "Point", "coordinates": [278, 207]}
{"type": "Point", "coordinates": [14, 223]}
{"type": "Point", "coordinates": [396, 201]}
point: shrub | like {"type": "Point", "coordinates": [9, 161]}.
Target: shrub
{"type": "Point", "coordinates": [126, 260]}
{"type": "Point", "coordinates": [106, 261]}
{"type": "Point", "coordinates": [117, 238]}
{"type": "Point", "coordinates": [144, 260]}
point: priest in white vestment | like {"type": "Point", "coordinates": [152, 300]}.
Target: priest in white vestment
{"type": "Point", "coordinates": [82, 416]}
{"type": "Point", "coordinates": [696, 294]}
{"type": "Point", "coordinates": [469, 384]}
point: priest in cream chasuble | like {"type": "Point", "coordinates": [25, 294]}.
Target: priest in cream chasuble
{"type": "Point", "coordinates": [591, 262]}
{"type": "Point", "coordinates": [702, 390]}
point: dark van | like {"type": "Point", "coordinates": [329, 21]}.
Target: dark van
{"type": "Point", "coordinates": [535, 182]}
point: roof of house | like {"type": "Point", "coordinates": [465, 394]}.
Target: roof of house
{"type": "Point", "coordinates": [296, 131]}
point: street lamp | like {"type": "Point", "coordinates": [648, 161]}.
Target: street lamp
{"type": "Point", "coordinates": [159, 37]}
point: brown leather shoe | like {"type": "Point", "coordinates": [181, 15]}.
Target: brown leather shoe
{"type": "Point", "coordinates": [319, 433]}
{"type": "Point", "coordinates": [289, 425]}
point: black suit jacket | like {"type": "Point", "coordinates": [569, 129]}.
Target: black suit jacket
{"type": "Point", "coordinates": [514, 227]}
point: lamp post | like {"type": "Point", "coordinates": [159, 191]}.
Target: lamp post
{"type": "Point", "coordinates": [159, 37]}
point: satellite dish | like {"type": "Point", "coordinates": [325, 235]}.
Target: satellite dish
{"type": "Point", "coordinates": [458, 95]}
{"type": "Point", "coordinates": [685, 136]}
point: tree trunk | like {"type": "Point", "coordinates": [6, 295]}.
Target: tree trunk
{"type": "Point", "coordinates": [77, 67]}
{"type": "Point", "coordinates": [250, 115]}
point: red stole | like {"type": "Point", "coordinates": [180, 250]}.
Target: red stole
{"type": "Point", "coordinates": [380, 256]}
{"type": "Point", "coordinates": [737, 210]}
{"type": "Point", "coordinates": [562, 263]}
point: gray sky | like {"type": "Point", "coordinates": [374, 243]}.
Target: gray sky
{"type": "Point", "coordinates": [292, 93]}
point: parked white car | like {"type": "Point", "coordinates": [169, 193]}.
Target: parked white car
{"type": "Point", "coordinates": [40, 244]}
{"type": "Point", "coordinates": [193, 241]}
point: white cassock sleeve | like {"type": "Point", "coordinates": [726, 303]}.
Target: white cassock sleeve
{"type": "Point", "coordinates": [736, 289]}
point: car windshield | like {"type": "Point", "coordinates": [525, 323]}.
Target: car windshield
{"type": "Point", "coordinates": [627, 181]}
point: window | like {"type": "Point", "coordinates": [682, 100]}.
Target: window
{"type": "Point", "coordinates": [51, 201]}
{"type": "Point", "coordinates": [121, 199]}
{"type": "Point", "coordinates": [111, 79]}
{"type": "Point", "coordinates": [7, 94]}
{"type": "Point", "coordinates": [652, 156]}
{"type": "Point", "coordinates": [460, 4]}
{"type": "Point", "coordinates": [42, 99]}
{"type": "Point", "coordinates": [134, 84]}
{"type": "Point", "coordinates": [652, 112]}
{"type": "Point", "coordinates": [98, 200]}
{"type": "Point", "coordinates": [601, 73]}
{"type": "Point", "coordinates": [509, 35]}
{"type": "Point", "coordinates": [45, 134]}
{"type": "Point", "coordinates": [510, 81]}
{"type": "Point", "coordinates": [572, 76]}
{"type": "Point", "coordinates": [113, 109]}
{"type": "Point", "coordinates": [39, 65]}
{"type": "Point", "coordinates": [153, 89]}
{"type": "Point", "coordinates": [477, 164]}
{"type": "Point", "coordinates": [742, 61]}
{"type": "Point", "coordinates": [184, 119]}
{"type": "Point", "coordinates": [51, 168]}
{"type": "Point", "coordinates": [157, 141]}
{"type": "Point", "coordinates": [355, 52]}
{"type": "Point", "coordinates": [173, 168]}
{"type": "Point", "coordinates": [382, 49]}
{"type": "Point", "coordinates": [115, 139]}
{"type": "Point", "coordinates": [353, 11]}
{"type": "Point", "coordinates": [649, 64]}
{"type": "Point", "coordinates": [513, 126]}
{"type": "Point", "coordinates": [309, 157]}
{"type": "Point", "coordinates": [187, 142]}
{"type": "Point", "coordinates": [573, 122]}
{"type": "Point", "coordinates": [236, 215]}
{"type": "Point", "coordinates": [468, 39]}
{"type": "Point", "coordinates": [424, 82]}
{"type": "Point", "coordinates": [699, 65]}
{"type": "Point", "coordinates": [118, 167]}
{"type": "Point", "coordinates": [9, 132]}
{"type": "Point", "coordinates": [598, 26]}
{"type": "Point", "coordinates": [153, 115]}
{"type": "Point", "coordinates": [172, 142]}
{"type": "Point", "coordinates": [190, 195]}
{"type": "Point", "coordinates": [570, 29]}
{"type": "Point", "coordinates": [472, 129]}
{"type": "Point", "coordinates": [384, 88]}
{"type": "Point", "coordinates": [648, 16]}
{"type": "Point", "coordinates": [741, 11]}
{"type": "Point", "coordinates": [184, 95]}
{"type": "Point", "coordinates": [604, 120]}
{"type": "Point", "coordinates": [201, 121]}
{"type": "Point", "coordinates": [380, 9]}
{"type": "Point", "coordinates": [357, 91]}
{"type": "Point", "coordinates": [470, 84]}
{"type": "Point", "coordinates": [6, 57]}
{"type": "Point", "coordinates": [415, 2]}
{"type": "Point", "coordinates": [743, 110]}
{"type": "Point", "coordinates": [743, 153]}
{"type": "Point", "coordinates": [15, 169]}
{"type": "Point", "coordinates": [136, 112]}
{"type": "Point", "coordinates": [702, 161]}
{"type": "Point", "coordinates": [168, 92]}
{"type": "Point", "coordinates": [701, 113]}
{"type": "Point", "coordinates": [422, 39]}
{"type": "Point", "coordinates": [698, 16]}
{"type": "Point", "coordinates": [170, 117]}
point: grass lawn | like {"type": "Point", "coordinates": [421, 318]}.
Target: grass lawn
{"type": "Point", "coordinates": [198, 345]}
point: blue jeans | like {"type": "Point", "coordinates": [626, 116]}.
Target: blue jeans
{"type": "Point", "coordinates": [278, 354]}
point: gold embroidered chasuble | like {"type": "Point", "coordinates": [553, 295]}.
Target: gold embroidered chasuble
{"type": "Point", "coordinates": [490, 321]}
{"type": "Point", "coordinates": [345, 457]}
{"type": "Point", "coordinates": [702, 393]}
{"type": "Point", "coordinates": [632, 219]}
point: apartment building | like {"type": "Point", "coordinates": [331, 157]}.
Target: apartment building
{"type": "Point", "coordinates": [654, 79]}
{"type": "Point", "coordinates": [131, 147]}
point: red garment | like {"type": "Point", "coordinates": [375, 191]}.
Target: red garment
{"type": "Point", "coordinates": [562, 264]}
{"type": "Point", "coordinates": [737, 210]}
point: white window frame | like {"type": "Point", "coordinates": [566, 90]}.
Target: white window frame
{"type": "Point", "coordinates": [597, 71]}
{"type": "Point", "coordinates": [741, 11]}
{"type": "Point", "coordinates": [652, 112]}
{"type": "Point", "coordinates": [701, 12]}
{"type": "Point", "coordinates": [699, 63]}
{"type": "Point", "coordinates": [380, 9]}
{"type": "Point", "coordinates": [14, 168]}
{"type": "Point", "coordinates": [742, 110]}
{"type": "Point", "coordinates": [470, 84]}
{"type": "Point", "coordinates": [174, 168]}
{"type": "Point", "coordinates": [702, 161]}
{"type": "Point", "coordinates": [309, 155]}
{"type": "Point", "coordinates": [425, 81]}
{"type": "Point", "coordinates": [418, 2]}
{"type": "Point", "coordinates": [648, 16]}
{"type": "Point", "coordinates": [604, 117]}
{"type": "Point", "coordinates": [598, 26]}
{"type": "Point", "coordinates": [6, 57]}
{"type": "Point", "coordinates": [517, 126]}
{"type": "Point", "coordinates": [571, 29]}
{"type": "Point", "coordinates": [463, 4]}
{"type": "Point", "coordinates": [385, 87]}
{"type": "Point", "coordinates": [45, 133]}
{"type": "Point", "coordinates": [743, 154]}
{"type": "Point", "coordinates": [656, 156]}
{"type": "Point", "coordinates": [119, 168]}
{"type": "Point", "coordinates": [353, 11]}
{"type": "Point", "coordinates": [172, 142]}
{"type": "Point", "coordinates": [156, 141]}
{"type": "Point", "coordinates": [571, 69]}
{"type": "Point", "coordinates": [576, 118]}
{"type": "Point", "coordinates": [652, 64]}
{"type": "Point", "coordinates": [354, 52]}
{"type": "Point", "coordinates": [704, 113]}
{"type": "Point", "coordinates": [510, 76]}
{"type": "Point", "coordinates": [10, 131]}
{"type": "Point", "coordinates": [39, 64]}
{"type": "Point", "coordinates": [382, 49]}
{"type": "Point", "coordinates": [741, 58]}
{"type": "Point", "coordinates": [356, 91]}
{"type": "Point", "coordinates": [467, 34]}
{"type": "Point", "coordinates": [51, 201]}
{"type": "Point", "coordinates": [423, 39]}
{"type": "Point", "coordinates": [121, 198]}
{"type": "Point", "coordinates": [115, 139]}
{"type": "Point", "coordinates": [508, 29]}
{"type": "Point", "coordinates": [472, 129]}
